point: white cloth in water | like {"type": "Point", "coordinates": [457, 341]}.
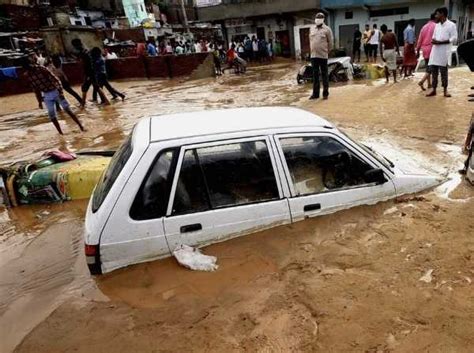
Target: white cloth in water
{"type": "Point", "coordinates": [193, 259]}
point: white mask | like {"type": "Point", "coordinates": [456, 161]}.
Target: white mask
{"type": "Point", "coordinates": [319, 21]}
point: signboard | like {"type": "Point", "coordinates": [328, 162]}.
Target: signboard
{"type": "Point", "coordinates": [204, 3]}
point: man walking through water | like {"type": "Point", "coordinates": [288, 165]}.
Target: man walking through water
{"type": "Point", "coordinates": [388, 52]}
{"type": "Point", "coordinates": [445, 34]}
{"type": "Point", "coordinates": [43, 81]}
{"type": "Point", "coordinates": [90, 77]}
{"type": "Point", "coordinates": [320, 38]}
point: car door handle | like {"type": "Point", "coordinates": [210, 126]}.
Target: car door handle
{"type": "Point", "coordinates": [312, 207]}
{"type": "Point", "coordinates": [191, 228]}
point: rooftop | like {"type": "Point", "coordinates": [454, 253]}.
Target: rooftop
{"type": "Point", "coordinates": [174, 126]}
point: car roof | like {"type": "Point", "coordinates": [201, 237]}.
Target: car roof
{"type": "Point", "coordinates": [212, 122]}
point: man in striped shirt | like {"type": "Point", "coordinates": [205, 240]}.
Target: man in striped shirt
{"type": "Point", "coordinates": [48, 88]}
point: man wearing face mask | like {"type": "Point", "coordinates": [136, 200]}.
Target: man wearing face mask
{"type": "Point", "coordinates": [320, 38]}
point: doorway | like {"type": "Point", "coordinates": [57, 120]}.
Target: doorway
{"type": "Point", "coordinates": [304, 44]}
{"type": "Point", "coordinates": [284, 38]}
{"type": "Point", "coordinates": [261, 32]}
{"type": "Point", "coordinates": [346, 37]}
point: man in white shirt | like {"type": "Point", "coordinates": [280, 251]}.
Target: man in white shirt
{"type": "Point", "coordinates": [374, 42]}
{"type": "Point", "coordinates": [444, 35]}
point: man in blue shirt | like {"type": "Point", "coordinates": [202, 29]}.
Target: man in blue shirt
{"type": "Point", "coordinates": [151, 48]}
{"type": "Point", "coordinates": [409, 54]}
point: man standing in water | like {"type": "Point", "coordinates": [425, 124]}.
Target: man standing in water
{"type": "Point", "coordinates": [388, 52]}
{"type": "Point", "coordinates": [445, 34]}
{"type": "Point", "coordinates": [365, 40]}
{"type": "Point", "coordinates": [409, 55]}
{"type": "Point", "coordinates": [356, 44]}
{"type": "Point", "coordinates": [43, 81]}
{"type": "Point", "coordinates": [374, 42]}
{"type": "Point", "coordinates": [90, 77]}
{"type": "Point", "coordinates": [320, 38]}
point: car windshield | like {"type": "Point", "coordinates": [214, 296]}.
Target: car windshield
{"type": "Point", "coordinates": [382, 159]}
{"type": "Point", "coordinates": [108, 178]}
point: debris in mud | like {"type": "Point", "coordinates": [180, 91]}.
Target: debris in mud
{"type": "Point", "coordinates": [427, 278]}
{"type": "Point", "coordinates": [391, 341]}
{"type": "Point", "coordinates": [54, 177]}
{"type": "Point", "coordinates": [408, 199]}
{"type": "Point", "coordinates": [390, 211]}
{"type": "Point", "coordinates": [43, 214]}
{"type": "Point", "coordinates": [194, 260]}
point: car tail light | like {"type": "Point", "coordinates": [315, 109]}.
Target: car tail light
{"type": "Point", "coordinates": [93, 259]}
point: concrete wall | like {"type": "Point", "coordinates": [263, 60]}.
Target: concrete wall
{"type": "Point", "coordinates": [135, 34]}
{"type": "Point", "coordinates": [58, 40]}
{"type": "Point", "coordinates": [167, 66]}
{"type": "Point", "coordinates": [361, 17]}
{"type": "Point", "coordinates": [247, 8]}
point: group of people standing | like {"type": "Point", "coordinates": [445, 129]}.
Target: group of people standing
{"type": "Point", "coordinates": [254, 49]}
{"type": "Point", "coordinates": [168, 47]}
{"type": "Point", "coordinates": [433, 44]}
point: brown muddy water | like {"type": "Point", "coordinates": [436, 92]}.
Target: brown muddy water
{"type": "Point", "coordinates": [344, 282]}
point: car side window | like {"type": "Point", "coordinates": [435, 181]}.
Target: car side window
{"type": "Point", "coordinates": [321, 163]}
{"type": "Point", "coordinates": [152, 198]}
{"type": "Point", "coordinates": [225, 175]}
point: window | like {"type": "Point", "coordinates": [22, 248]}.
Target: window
{"type": "Point", "coordinates": [349, 15]}
{"type": "Point", "coordinates": [108, 178]}
{"type": "Point", "coordinates": [225, 175]}
{"type": "Point", "coordinates": [389, 12]}
{"type": "Point", "coordinates": [152, 199]}
{"type": "Point", "coordinates": [319, 164]}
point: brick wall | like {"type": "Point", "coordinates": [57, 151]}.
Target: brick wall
{"type": "Point", "coordinates": [166, 66]}
{"type": "Point", "coordinates": [157, 66]}
{"type": "Point", "coordinates": [124, 68]}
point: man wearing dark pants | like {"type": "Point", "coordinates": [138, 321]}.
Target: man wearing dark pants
{"type": "Point", "coordinates": [90, 78]}
{"type": "Point", "coordinates": [320, 38]}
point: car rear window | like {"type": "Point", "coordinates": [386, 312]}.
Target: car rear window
{"type": "Point", "coordinates": [108, 178]}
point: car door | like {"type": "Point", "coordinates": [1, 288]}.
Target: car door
{"type": "Point", "coordinates": [222, 190]}
{"type": "Point", "coordinates": [325, 174]}
{"type": "Point", "coordinates": [135, 232]}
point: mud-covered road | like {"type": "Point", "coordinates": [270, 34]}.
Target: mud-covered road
{"type": "Point", "coordinates": [348, 282]}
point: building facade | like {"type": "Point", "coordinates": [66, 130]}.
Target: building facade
{"type": "Point", "coordinates": [269, 20]}
{"type": "Point", "coordinates": [345, 16]}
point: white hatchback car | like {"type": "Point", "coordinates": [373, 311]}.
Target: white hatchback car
{"type": "Point", "coordinates": [201, 178]}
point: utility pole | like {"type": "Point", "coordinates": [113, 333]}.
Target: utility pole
{"type": "Point", "coordinates": [185, 16]}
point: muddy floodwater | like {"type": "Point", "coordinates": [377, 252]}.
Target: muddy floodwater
{"type": "Point", "coordinates": [347, 282]}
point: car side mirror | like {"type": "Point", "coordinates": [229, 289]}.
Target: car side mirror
{"type": "Point", "coordinates": [375, 176]}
